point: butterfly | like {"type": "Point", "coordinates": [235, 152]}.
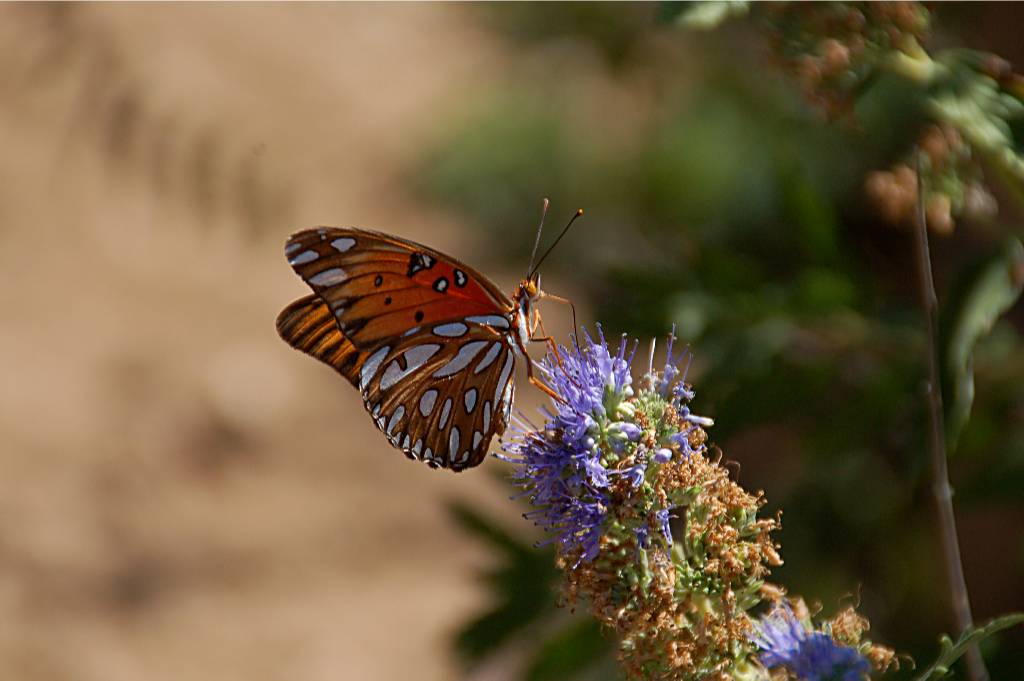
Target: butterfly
{"type": "Point", "coordinates": [429, 342]}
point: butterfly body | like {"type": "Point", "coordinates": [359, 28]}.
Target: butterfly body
{"type": "Point", "coordinates": [429, 342]}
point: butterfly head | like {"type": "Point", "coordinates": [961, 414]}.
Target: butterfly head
{"type": "Point", "coordinates": [531, 287]}
{"type": "Point", "coordinates": [529, 291]}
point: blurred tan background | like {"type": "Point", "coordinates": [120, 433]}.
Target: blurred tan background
{"type": "Point", "coordinates": [182, 496]}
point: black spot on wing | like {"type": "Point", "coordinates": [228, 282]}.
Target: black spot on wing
{"type": "Point", "coordinates": [418, 262]}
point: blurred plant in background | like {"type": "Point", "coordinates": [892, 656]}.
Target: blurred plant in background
{"type": "Point", "coordinates": [754, 207]}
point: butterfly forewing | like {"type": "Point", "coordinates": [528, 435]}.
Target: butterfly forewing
{"type": "Point", "coordinates": [378, 286]}
{"type": "Point", "coordinates": [426, 339]}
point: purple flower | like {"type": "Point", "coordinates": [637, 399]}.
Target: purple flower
{"type": "Point", "coordinates": [621, 433]}
{"type": "Point", "coordinates": [663, 455]}
{"type": "Point", "coordinates": [566, 468]}
{"type": "Point", "coordinates": [630, 430]}
{"type": "Point", "coordinates": [810, 655]}
{"type": "Point", "coordinates": [665, 383]}
{"type": "Point", "coordinates": [560, 467]}
{"type": "Point", "coordinates": [635, 475]}
{"type": "Point", "coordinates": [662, 517]}
{"type": "Point", "coordinates": [642, 536]}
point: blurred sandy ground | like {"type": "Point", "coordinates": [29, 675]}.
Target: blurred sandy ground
{"type": "Point", "coordinates": [182, 497]}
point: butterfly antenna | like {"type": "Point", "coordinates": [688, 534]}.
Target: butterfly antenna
{"type": "Point", "coordinates": [552, 246]}
{"type": "Point", "coordinates": [536, 243]}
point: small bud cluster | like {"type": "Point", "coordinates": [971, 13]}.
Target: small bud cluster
{"type": "Point", "coordinates": [975, 100]}
{"type": "Point", "coordinates": [650, 531]}
{"type": "Point", "coordinates": [834, 47]}
{"type": "Point", "coordinates": [953, 184]}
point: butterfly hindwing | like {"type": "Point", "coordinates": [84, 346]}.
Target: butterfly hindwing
{"type": "Point", "coordinates": [379, 286]}
{"type": "Point", "coordinates": [308, 325]}
{"type": "Point", "coordinates": [440, 394]}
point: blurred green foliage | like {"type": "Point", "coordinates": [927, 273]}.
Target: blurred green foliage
{"type": "Point", "coordinates": [717, 201]}
{"type": "Point", "coordinates": [523, 585]}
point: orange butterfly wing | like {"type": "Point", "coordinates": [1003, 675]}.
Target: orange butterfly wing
{"type": "Point", "coordinates": [379, 286]}
{"type": "Point", "coordinates": [308, 325]}
{"type": "Point", "coordinates": [424, 338]}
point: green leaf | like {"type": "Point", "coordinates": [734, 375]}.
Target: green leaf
{"type": "Point", "coordinates": [475, 523]}
{"type": "Point", "coordinates": [986, 294]}
{"type": "Point", "coordinates": [985, 114]}
{"type": "Point", "coordinates": [707, 15]}
{"type": "Point", "coordinates": [522, 587]}
{"type": "Point", "coordinates": [569, 652]}
{"type": "Point", "coordinates": [951, 652]}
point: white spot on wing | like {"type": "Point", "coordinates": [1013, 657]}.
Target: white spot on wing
{"type": "Point", "coordinates": [330, 277]}
{"type": "Point", "coordinates": [465, 355]}
{"type": "Point", "coordinates": [304, 257]}
{"type": "Point", "coordinates": [370, 367]}
{"type": "Point", "coordinates": [453, 443]}
{"type": "Point", "coordinates": [418, 354]}
{"type": "Point", "coordinates": [395, 418]}
{"type": "Point", "coordinates": [392, 374]}
{"type": "Point", "coordinates": [445, 409]}
{"type": "Point", "coordinates": [469, 399]}
{"type": "Point", "coordinates": [477, 436]}
{"type": "Point", "coordinates": [344, 243]}
{"type": "Point", "coordinates": [292, 247]}
{"type": "Point", "coordinates": [507, 397]}
{"type": "Point", "coordinates": [487, 415]}
{"type": "Point", "coordinates": [414, 359]}
{"type": "Point", "coordinates": [451, 330]}
{"type": "Point", "coordinates": [492, 354]}
{"type": "Point", "coordinates": [497, 321]}
{"type": "Point", "coordinates": [427, 402]}
{"type": "Point", "coordinates": [506, 372]}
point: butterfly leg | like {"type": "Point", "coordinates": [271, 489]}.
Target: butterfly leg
{"type": "Point", "coordinates": [565, 301]}
{"type": "Point", "coordinates": [538, 323]}
{"type": "Point", "coordinates": [540, 384]}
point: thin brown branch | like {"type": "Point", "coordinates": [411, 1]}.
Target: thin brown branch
{"type": "Point", "coordinates": [941, 489]}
